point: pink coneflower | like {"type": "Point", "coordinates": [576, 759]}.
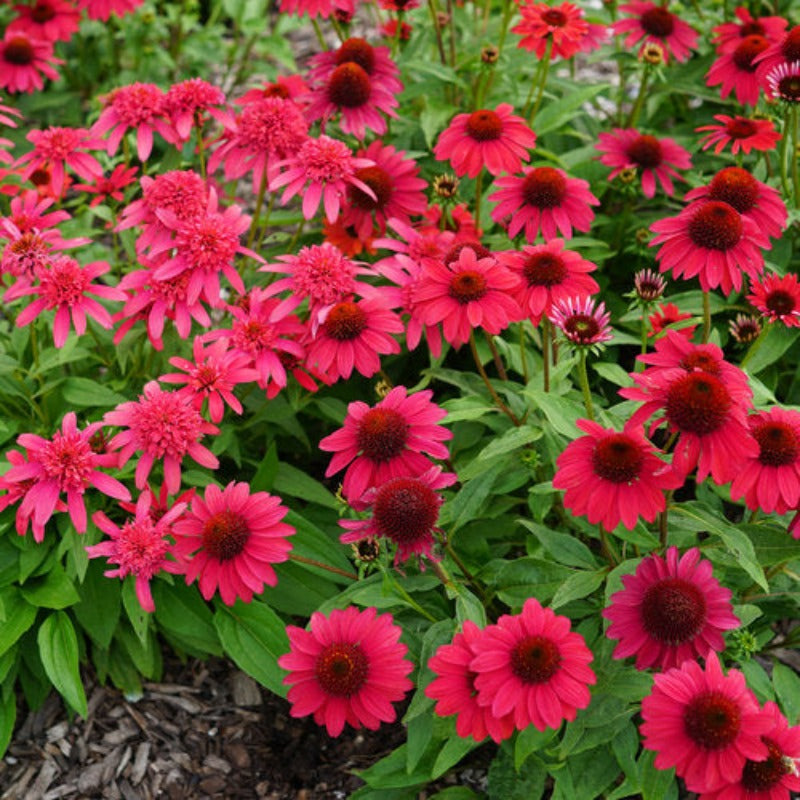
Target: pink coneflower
{"type": "Point", "coordinates": [314, 8]}
{"type": "Point", "coordinates": [770, 479]}
{"type": "Point", "coordinates": [387, 441]}
{"type": "Point", "coordinates": [103, 9]}
{"type": "Point", "coordinates": [703, 723]}
{"type": "Point", "coordinates": [322, 171]}
{"type": "Point", "coordinates": [782, 53]}
{"type": "Point", "coordinates": [670, 611]}
{"type": "Point", "coordinates": [353, 334]}
{"type": "Point", "coordinates": [746, 134]}
{"type": "Point", "coordinates": [65, 286]}
{"type": "Point", "coordinates": [138, 106]}
{"type": "Point", "coordinates": [47, 20]}
{"type": "Point", "coordinates": [534, 666]}
{"type": "Point", "coordinates": [649, 286]}
{"type": "Point", "coordinates": [230, 539]}
{"type": "Point", "coordinates": [669, 314]}
{"type": "Point", "coordinates": [737, 70]}
{"type": "Point", "coordinates": [357, 80]}
{"type": "Point", "coordinates": [544, 199]}
{"type": "Point", "coordinates": [749, 196]}
{"type": "Point", "coordinates": [346, 239]}
{"type": "Point", "coordinates": [713, 241]}
{"type": "Point", "coordinates": [212, 376]}
{"type": "Point", "coordinates": [706, 407]}
{"type": "Point", "coordinates": [268, 129]}
{"type": "Point", "coordinates": [548, 273]}
{"type": "Point", "coordinates": [655, 24]}
{"type": "Point", "coordinates": [560, 28]}
{"type": "Point", "coordinates": [349, 668]}
{"type": "Point", "coordinates": [777, 298]}
{"type": "Point", "coordinates": [162, 426]}
{"type": "Point", "coordinates": [319, 272]}
{"type": "Point", "coordinates": [728, 35]}
{"type": "Point", "coordinates": [582, 323]}
{"type": "Point", "coordinates": [626, 148]}
{"type": "Point", "coordinates": [23, 61]}
{"type": "Point", "coordinates": [783, 82]}
{"type": "Point", "coordinates": [389, 30]}
{"type": "Point", "coordinates": [28, 213]}
{"type": "Point", "coordinates": [454, 691]}
{"type": "Point", "coordinates": [185, 103]}
{"type": "Point", "coordinates": [465, 293]}
{"type": "Point", "coordinates": [612, 477]}
{"type": "Point", "coordinates": [58, 148]}
{"type": "Point", "coordinates": [497, 140]}
{"type": "Point", "coordinates": [140, 547]}
{"type": "Point", "coordinates": [404, 510]}
{"type": "Point", "coordinates": [397, 189]}
{"type": "Point", "coordinates": [64, 464]}
{"type": "Point", "coordinates": [774, 778]}
{"type": "Point", "coordinates": [104, 188]}
{"type": "Point", "coordinates": [29, 252]}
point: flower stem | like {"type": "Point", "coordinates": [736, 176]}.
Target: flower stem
{"type": "Point", "coordinates": [633, 118]}
{"type": "Point", "coordinates": [262, 188]}
{"type": "Point", "coordinates": [783, 156]}
{"type": "Point", "coordinates": [706, 316]}
{"type": "Point", "coordinates": [201, 151]}
{"type": "Point", "coordinates": [546, 354]}
{"type": "Point", "coordinates": [522, 354]}
{"type": "Point", "coordinates": [314, 563]}
{"type": "Point", "coordinates": [583, 377]}
{"type": "Point", "coordinates": [435, 19]}
{"type": "Point", "coordinates": [643, 333]}
{"type": "Point", "coordinates": [496, 397]}
{"type": "Point", "coordinates": [498, 362]}
{"type": "Point", "coordinates": [605, 546]}
{"type": "Point", "coordinates": [318, 31]}
{"type": "Point", "coordinates": [407, 597]}
{"type": "Point", "coordinates": [478, 193]}
{"type": "Point", "coordinates": [539, 82]}
{"type": "Point", "coordinates": [793, 155]}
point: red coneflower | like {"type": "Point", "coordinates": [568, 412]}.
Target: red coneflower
{"type": "Point", "coordinates": [656, 24]}
{"type": "Point", "coordinates": [745, 134]}
{"type": "Point", "coordinates": [777, 298]}
{"type": "Point", "coordinates": [563, 25]}
{"type": "Point", "coordinates": [737, 70]}
{"type": "Point", "coordinates": [582, 323]}
{"type": "Point", "coordinates": [728, 35]}
{"type": "Point", "coordinates": [47, 20]}
{"type": "Point", "coordinates": [23, 61]}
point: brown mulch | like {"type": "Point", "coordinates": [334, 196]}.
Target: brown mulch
{"type": "Point", "coordinates": [207, 731]}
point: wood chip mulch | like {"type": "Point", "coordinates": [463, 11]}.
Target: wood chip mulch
{"type": "Point", "coordinates": [207, 731]}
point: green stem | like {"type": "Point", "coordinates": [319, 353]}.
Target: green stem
{"type": "Point", "coordinates": [783, 156]}
{"type": "Point", "coordinates": [583, 377]}
{"type": "Point", "coordinates": [755, 346]}
{"type": "Point", "coordinates": [522, 353]}
{"type": "Point", "coordinates": [496, 397]}
{"type": "Point", "coordinates": [407, 597]}
{"type": "Point", "coordinates": [546, 354]}
{"type": "Point", "coordinates": [201, 151]}
{"type": "Point", "coordinates": [507, 12]}
{"type": "Point", "coordinates": [663, 517]}
{"type": "Point", "coordinates": [318, 31]}
{"type": "Point", "coordinates": [795, 169]}
{"type": "Point", "coordinates": [328, 567]}
{"type": "Point", "coordinates": [452, 30]}
{"type": "Point", "coordinates": [644, 330]}
{"type": "Point", "coordinates": [398, 30]}
{"type": "Point", "coordinates": [633, 118]}
{"type": "Point", "coordinates": [608, 550]}
{"type": "Point", "coordinates": [297, 233]}
{"type": "Point", "coordinates": [435, 19]}
{"type": "Point", "coordinates": [262, 188]}
{"type": "Point", "coordinates": [498, 362]}
{"type": "Point", "coordinates": [478, 193]}
{"type": "Point", "coordinates": [706, 316]}
{"type": "Point", "coordinates": [542, 72]}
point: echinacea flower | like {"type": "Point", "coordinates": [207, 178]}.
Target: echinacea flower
{"type": "Point", "coordinates": [669, 314]}
{"type": "Point", "coordinates": [651, 23]}
{"type": "Point", "coordinates": [561, 28]}
{"type": "Point", "coordinates": [728, 35]}
{"type": "Point", "coordinates": [543, 199]}
{"type": "Point", "coordinates": [783, 83]}
{"type": "Point", "coordinates": [404, 510]}
{"type": "Point", "coordinates": [582, 322]}
{"type": "Point", "coordinates": [533, 666]}
{"type": "Point", "coordinates": [65, 287]}
{"type": "Point", "coordinates": [111, 187]}
{"type": "Point", "coordinates": [498, 140]}
{"type": "Point", "coordinates": [712, 241]}
{"type": "Point", "coordinates": [782, 53]}
{"type": "Point", "coordinates": [64, 464]}
{"type": "Point", "coordinates": [671, 610]}
{"type": "Point", "coordinates": [23, 61]}
{"type": "Point", "coordinates": [777, 298]}
{"type": "Point", "coordinates": [626, 148]}
{"type": "Point", "coordinates": [736, 71]}
{"type": "Point", "coordinates": [770, 479]}
{"type": "Point", "coordinates": [548, 273]}
{"type": "Point", "coordinates": [454, 691]}
{"type": "Point", "coordinates": [649, 286]}
{"type": "Point", "coordinates": [776, 777]}
{"type": "Point", "coordinates": [386, 441]}
{"type": "Point", "coordinates": [704, 723]}
{"type": "Point", "coordinates": [163, 427]}
{"type": "Point", "coordinates": [612, 477]}
{"type": "Point", "coordinates": [230, 538]}
{"type": "Point", "coordinates": [745, 328]}
{"type": "Point", "coordinates": [465, 293]}
{"type": "Point", "coordinates": [349, 668]}
{"type": "Point", "coordinates": [744, 133]}
{"type": "Point", "coordinates": [46, 20]}
{"type": "Point", "coordinates": [186, 102]}
{"type": "Point", "coordinates": [103, 9]}
{"type": "Point", "coordinates": [139, 548]}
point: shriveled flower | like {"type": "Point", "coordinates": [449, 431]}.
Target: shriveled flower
{"type": "Point", "coordinates": [777, 298]}
{"type": "Point", "coordinates": [140, 547]}
{"type": "Point", "coordinates": [498, 140]}
{"type": "Point", "coordinates": [745, 328]}
{"type": "Point", "coordinates": [671, 610]}
{"type": "Point", "coordinates": [655, 23]}
{"type": "Point", "coordinates": [163, 427]}
{"type": "Point", "coordinates": [386, 441]}
{"type": "Point", "coordinates": [349, 668]}
{"type": "Point", "coordinates": [543, 200]}
{"type": "Point", "coordinates": [581, 321]}
{"type": "Point", "coordinates": [704, 723]}
{"type": "Point", "coordinates": [64, 464]}
{"type": "Point", "coordinates": [744, 133]}
{"type": "Point", "coordinates": [612, 477]}
{"type": "Point", "coordinates": [230, 539]}
{"type": "Point", "coordinates": [655, 158]}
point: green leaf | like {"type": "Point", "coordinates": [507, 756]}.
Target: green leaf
{"type": "Point", "coordinates": [85, 393]}
{"type": "Point", "coordinates": [586, 775]}
{"type": "Point", "coordinates": [455, 793]}
{"type": "Point", "coordinates": [254, 636]}
{"type": "Point", "coordinates": [522, 578]}
{"type": "Point", "coordinates": [468, 606]}
{"type": "Point", "coordinates": [58, 649]}
{"type": "Point", "coordinates": [182, 613]}
{"type": "Point", "coordinates": [787, 688]}
{"type": "Point", "coordinates": [576, 587]}
{"type": "Point", "coordinates": [420, 733]}
{"type": "Point", "coordinates": [294, 482]}
{"type": "Point", "coordinates": [466, 505]}
{"type": "Point", "coordinates": [8, 718]}
{"type": "Point", "coordinates": [758, 680]}
{"type": "Point", "coordinates": [98, 610]}
{"type": "Point", "coordinates": [561, 412]}
{"type": "Point", "coordinates": [512, 439]}
{"type": "Point", "coordinates": [455, 748]}
{"type": "Point", "coordinates": [20, 615]}
{"type": "Point", "coordinates": [267, 471]}
{"type": "Point", "coordinates": [657, 784]}
{"type": "Point", "coordinates": [565, 549]}
{"type": "Point", "coordinates": [613, 373]}
{"type": "Point", "coordinates": [505, 783]}
{"type": "Point", "coordinates": [139, 618]}
{"type": "Point", "coordinates": [777, 339]}
{"type": "Point", "coordinates": [54, 590]}
{"type": "Point", "coordinates": [553, 115]}
{"type": "Point", "coordinates": [530, 740]}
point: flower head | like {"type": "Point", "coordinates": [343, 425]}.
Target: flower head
{"type": "Point", "coordinates": [23, 61]}
{"type": "Point", "coordinates": [670, 611]}
{"type": "Point", "coordinates": [564, 26]}
{"type": "Point", "coordinates": [230, 538]}
{"type": "Point", "coordinates": [736, 70]}
{"type": "Point", "coordinates": [777, 298]}
{"type": "Point", "coordinates": [783, 82]}
{"type": "Point", "coordinates": [349, 668]}
{"type": "Point", "coordinates": [47, 20]}
{"type": "Point", "coordinates": [728, 35]}
{"type": "Point", "coordinates": [653, 23]}
{"type": "Point", "coordinates": [746, 134]}
{"type": "Point", "coordinates": [581, 322]}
